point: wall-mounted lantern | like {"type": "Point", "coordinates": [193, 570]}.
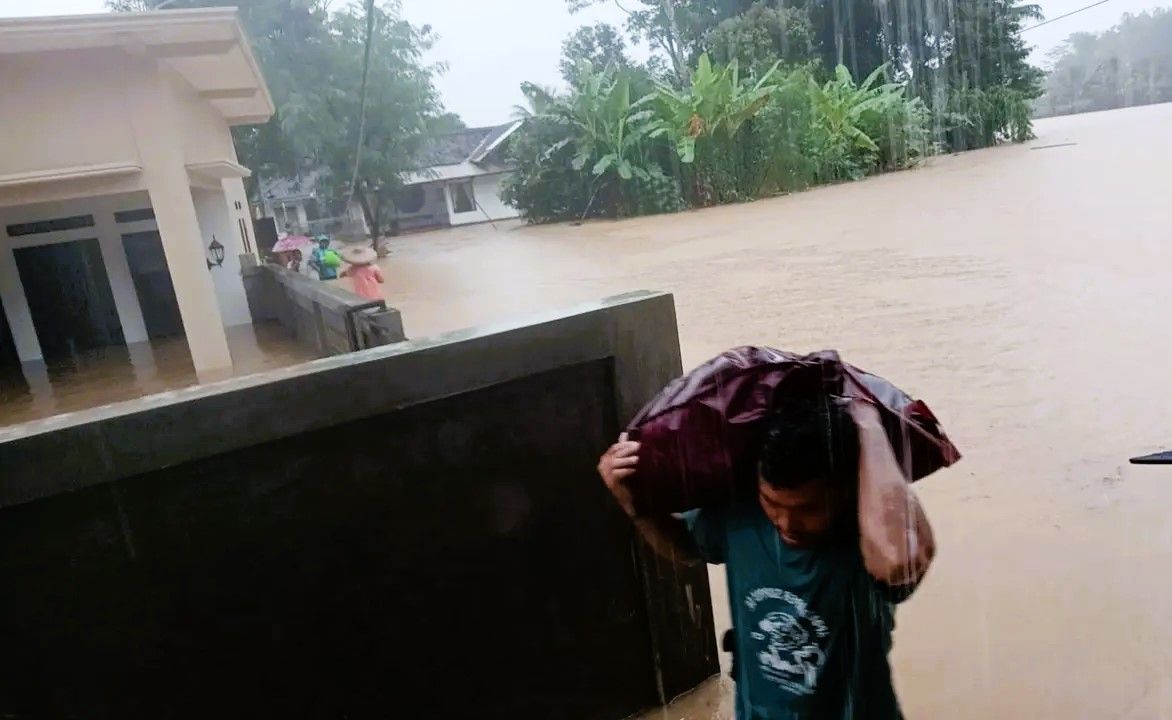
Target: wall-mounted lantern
{"type": "Point", "coordinates": [217, 254]}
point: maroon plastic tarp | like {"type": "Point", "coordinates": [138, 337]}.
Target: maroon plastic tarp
{"type": "Point", "coordinates": [700, 435]}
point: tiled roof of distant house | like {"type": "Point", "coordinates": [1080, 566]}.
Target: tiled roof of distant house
{"type": "Point", "coordinates": [463, 145]}
{"type": "Point", "coordinates": [471, 145]}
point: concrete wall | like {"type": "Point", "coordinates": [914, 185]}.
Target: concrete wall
{"type": "Point", "coordinates": [433, 213]}
{"type": "Point", "coordinates": [409, 531]}
{"type": "Point", "coordinates": [212, 209]}
{"type": "Point", "coordinates": [325, 318]}
{"type": "Point", "coordinates": [489, 206]}
{"type": "Point", "coordinates": [206, 135]}
{"type": "Point", "coordinates": [69, 109]}
{"type": "Point", "coordinates": [488, 197]}
{"type": "Point", "coordinates": [64, 110]}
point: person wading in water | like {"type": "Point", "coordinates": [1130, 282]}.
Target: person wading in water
{"type": "Point", "coordinates": [817, 555]}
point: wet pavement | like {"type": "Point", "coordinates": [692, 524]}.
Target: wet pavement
{"type": "Point", "coordinates": [1023, 292]}
{"type": "Point", "coordinates": [99, 377]}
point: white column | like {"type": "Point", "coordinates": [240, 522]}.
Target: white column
{"type": "Point", "coordinates": [36, 374]}
{"type": "Point", "coordinates": [157, 126]}
{"type": "Point", "coordinates": [448, 202]}
{"type": "Point", "coordinates": [118, 272]}
{"type": "Point", "coordinates": [20, 318]}
{"type": "Point", "coordinates": [302, 218]}
{"type": "Point", "coordinates": [142, 358]}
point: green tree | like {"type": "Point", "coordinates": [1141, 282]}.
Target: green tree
{"type": "Point", "coordinates": [594, 139]}
{"type": "Point", "coordinates": [761, 35]}
{"type": "Point", "coordinates": [702, 121]}
{"type": "Point", "coordinates": [672, 26]}
{"type": "Point", "coordinates": [368, 138]}
{"type": "Point", "coordinates": [1128, 64]}
{"type": "Point", "coordinates": [600, 44]}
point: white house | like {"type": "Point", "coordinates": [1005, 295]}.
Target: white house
{"type": "Point", "coordinates": [123, 215]}
{"type": "Point", "coordinates": [459, 183]}
{"type": "Point", "coordinates": [296, 205]}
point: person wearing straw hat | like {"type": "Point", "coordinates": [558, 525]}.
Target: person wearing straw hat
{"type": "Point", "coordinates": [363, 271]}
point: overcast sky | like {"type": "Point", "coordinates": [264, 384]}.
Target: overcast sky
{"type": "Point", "coordinates": [489, 54]}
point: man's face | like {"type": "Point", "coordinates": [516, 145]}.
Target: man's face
{"type": "Point", "coordinates": [803, 515]}
{"type": "Point", "coordinates": [323, 244]}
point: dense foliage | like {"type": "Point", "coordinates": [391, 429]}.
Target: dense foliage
{"type": "Point", "coordinates": [1130, 64]}
{"type": "Point", "coordinates": [594, 152]}
{"type": "Point", "coordinates": [750, 98]}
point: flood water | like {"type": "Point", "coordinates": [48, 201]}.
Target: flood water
{"type": "Point", "coordinates": [1023, 292]}
{"type": "Point", "coordinates": [37, 390]}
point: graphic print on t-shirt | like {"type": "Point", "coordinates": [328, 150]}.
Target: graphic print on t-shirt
{"type": "Point", "coordinates": [788, 641]}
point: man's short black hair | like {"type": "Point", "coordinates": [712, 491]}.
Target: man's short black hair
{"type": "Point", "coordinates": [810, 437]}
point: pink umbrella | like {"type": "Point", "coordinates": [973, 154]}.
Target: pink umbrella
{"type": "Point", "coordinates": [289, 243]}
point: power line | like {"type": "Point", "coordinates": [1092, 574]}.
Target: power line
{"type": "Point", "coordinates": [1066, 15]}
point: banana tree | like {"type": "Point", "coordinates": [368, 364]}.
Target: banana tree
{"type": "Point", "coordinates": [850, 121]}
{"type": "Point", "coordinates": [610, 128]}
{"type": "Point", "coordinates": [702, 119]}
{"type": "Point", "coordinates": [716, 103]}
{"type": "Point", "coordinates": [609, 135]}
{"type": "Point", "coordinates": [841, 105]}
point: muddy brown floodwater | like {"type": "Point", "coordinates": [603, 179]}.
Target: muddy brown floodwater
{"type": "Point", "coordinates": [1024, 292]}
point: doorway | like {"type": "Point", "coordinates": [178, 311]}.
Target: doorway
{"type": "Point", "coordinates": [12, 381]}
{"type": "Point", "coordinates": [69, 298]}
{"type": "Point", "coordinates": [152, 283]}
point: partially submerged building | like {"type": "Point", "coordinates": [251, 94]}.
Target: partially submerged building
{"type": "Point", "coordinates": [123, 215]}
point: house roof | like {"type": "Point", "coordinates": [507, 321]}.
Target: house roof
{"type": "Point", "coordinates": [468, 145]}
{"type": "Point", "coordinates": [450, 156]}
{"type": "Point", "coordinates": [207, 46]}
{"type": "Point", "coordinates": [293, 188]}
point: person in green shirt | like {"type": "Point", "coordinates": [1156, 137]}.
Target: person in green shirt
{"type": "Point", "coordinates": [817, 555]}
{"type": "Point", "coordinates": [324, 260]}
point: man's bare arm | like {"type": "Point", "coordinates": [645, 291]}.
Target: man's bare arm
{"type": "Point", "coordinates": [895, 536]}
{"type": "Point", "coordinates": [667, 536]}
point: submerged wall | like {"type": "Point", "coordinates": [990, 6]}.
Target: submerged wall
{"type": "Point", "coordinates": [411, 531]}
{"type": "Point", "coordinates": [324, 318]}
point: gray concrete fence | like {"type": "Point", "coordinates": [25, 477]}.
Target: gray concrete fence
{"type": "Point", "coordinates": [326, 319]}
{"type": "Point", "coordinates": [412, 531]}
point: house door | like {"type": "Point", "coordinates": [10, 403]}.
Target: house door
{"type": "Point", "coordinates": [8, 356]}
{"type": "Point", "coordinates": [152, 282]}
{"type": "Point", "coordinates": [12, 382]}
{"type": "Point", "coordinates": [69, 297]}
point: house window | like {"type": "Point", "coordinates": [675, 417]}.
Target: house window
{"type": "Point", "coordinates": [462, 198]}
{"type": "Point", "coordinates": [55, 225]}
{"type": "Point", "coordinates": [312, 210]}
{"type": "Point", "coordinates": [410, 199]}
{"type": "Point", "coordinates": [126, 216]}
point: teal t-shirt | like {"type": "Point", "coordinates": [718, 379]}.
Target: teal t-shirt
{"type": "Point", "coordinates": [324, 272]}
{"type": "Point", "coordinates": [812, 629]}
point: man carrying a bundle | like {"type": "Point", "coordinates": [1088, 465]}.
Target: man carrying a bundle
{"type": "Point", "coordinates": [831, 537]}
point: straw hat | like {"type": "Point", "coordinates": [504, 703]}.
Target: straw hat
{"type": "Point", "coordinates": [359, 254]}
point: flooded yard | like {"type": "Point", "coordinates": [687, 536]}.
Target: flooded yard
{"type": "Point", "coordinates": [1023, 292]}
{"type": "Point", "coordinates": [38, 390]}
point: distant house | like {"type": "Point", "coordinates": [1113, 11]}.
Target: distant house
{"type": "Point", "coordinates": [295, 205]}
{"type": "Point", "coordinates": [459, 183]}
